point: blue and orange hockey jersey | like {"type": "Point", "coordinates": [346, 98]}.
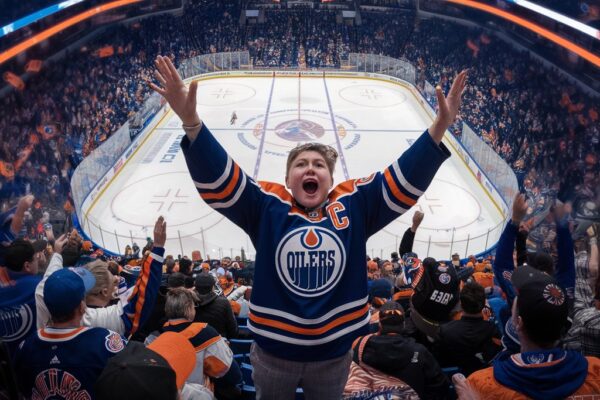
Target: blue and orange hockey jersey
{"type": "Point", "coordinates": [310, 286]}
{"type": "Point", "coordinates": [64, 363]}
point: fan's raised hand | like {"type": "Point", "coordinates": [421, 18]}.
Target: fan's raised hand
{"type": "Point", "coordinates": [181, 99]}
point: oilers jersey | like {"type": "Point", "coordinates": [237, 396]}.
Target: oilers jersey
{"type": "Point", "coordinates": [17, 306]}
{"type": "Point", "coordinates": [64, 363]}
{"type": "Point", "coordinates": [309, 300]}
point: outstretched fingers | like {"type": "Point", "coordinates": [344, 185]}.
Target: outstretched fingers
{"type": "Point", "coordinates": [172, 70]}
{"type": "Point", "coordinates": [160, 78]}
{"type": "Point", "coordinates": [157, 89]}
{"type": "Point", "coordinates": [441, 100]}
{"type": "Point", "coordinates": [459, 84]}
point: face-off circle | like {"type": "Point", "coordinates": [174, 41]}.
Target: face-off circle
{"type": "Point", "coordinates": [372, 96]}
{"type": "Point", "coordinates": [224, 94]}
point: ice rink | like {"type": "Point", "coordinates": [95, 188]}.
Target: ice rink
{"type": "Point", "coordinates": [371, 122]}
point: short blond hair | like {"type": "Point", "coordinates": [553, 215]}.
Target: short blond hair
{"type": "Point", "coordinates": [329, 154]}
{"type": "Point", "coordinates": [103, 276]}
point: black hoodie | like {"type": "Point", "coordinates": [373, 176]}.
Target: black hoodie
{"type": "Point", "coordinates": [216, 311]}
{"type": "Point", "coordinates": [407, 360]}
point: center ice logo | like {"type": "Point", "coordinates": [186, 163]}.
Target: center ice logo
{"type": "Point", "coordinates": [299, 130]}
{"type": "Point", "coordinates": [310, 261]}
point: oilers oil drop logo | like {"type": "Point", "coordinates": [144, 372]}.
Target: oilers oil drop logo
{"type": "Point", "coordinates": [310, 261]}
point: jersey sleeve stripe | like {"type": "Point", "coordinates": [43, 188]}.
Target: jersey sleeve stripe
{"type": "Point", "coordinates": [143, 283]}
{"type": "Point", "coordinates": [401, 197]}
{"type": "Point", "coordinates": [389, 202]}
{"type": "Point", "coordinates": [214, 185]}
{"type": "Point", "coordinates": [234, 199]}
{"type": "Point", "coordinates": [405, 184]}
{"type": "Point", "coordinates": [227, 190]}
{"type": "Point", "coordinates": [309, 331]}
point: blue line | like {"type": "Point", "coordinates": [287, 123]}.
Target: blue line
{"type": "Point", "coordinates": [337, 137]}
{"type": "Point", "coordinates": [264, 131]}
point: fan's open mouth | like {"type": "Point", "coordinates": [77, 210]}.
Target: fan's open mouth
{"type": "Point", "coordinates": [310, 187]}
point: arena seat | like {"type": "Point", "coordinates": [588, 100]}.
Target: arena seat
{"type": "Point", "coordinates": [249, 391]}
{"type": "Point", "coordinates": [240, 346]}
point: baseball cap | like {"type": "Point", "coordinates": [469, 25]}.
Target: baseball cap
{"type": "Point", "coordinates": [541, 303]}
{"type": "Point", "coordinates": [204, 283]}
{"type": "Point", "coordinates": [66, 288]}
{"type": "Point", "coordinates": [380, 288]}
{"type": "Point", "coordinates": [137, 373]}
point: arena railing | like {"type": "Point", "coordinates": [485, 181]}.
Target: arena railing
{"type": "Point", "coordinates": [495, 176]}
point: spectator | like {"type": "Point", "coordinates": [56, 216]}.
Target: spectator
{"type": "Point", "coordinates": [122, 318]}
{"type": "Point", "coordinates": [584, 335]}
{"type": "Point", "coordinates": [539, 315]}
{"type": "Point", "coordinates": [65, 359]}
{"type": "Point", "coordinates": [380, 292]}
{"type": "Point", "coordinates": [408, 238]}
{"type": "Point", "coordinates": [435, 297]}
{"type": "Point", "coordinates": [156, 372]}
{"type": "Point", "coordinates": [471, 342]}
{"type": "Point", "coordinates": [309, 173]}
{"type": "Point", "coordinates": [214, 309]}
{"type": "Point", "coordinates": [504, 264]}
{"type": "Point", "coordinates": [17, 287]}
{"type": "Point", "coordinates": [213, 357]}
{"type": "Point", "coordinates": [400, 357]}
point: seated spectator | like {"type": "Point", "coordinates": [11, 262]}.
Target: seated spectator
{"type": "Point", "coordinates": [470, 343]}
{"type": "Point", "coordinates": [64, 359]}
{"type": "Point", "coordinates": [156, 372]}
{"type": "Point", "coordinates": [380, 292]}
{"type": "Point", "coordinates": [399, 357]}
{"type": "Point", "coordinates": [214, 309]}
{"type": "Point", "coordinates": [542, 370]}
{"type": "Point", "coordinates": [214, 358]}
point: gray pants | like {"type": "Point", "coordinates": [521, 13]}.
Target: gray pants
{"type": "Point", "coordinates": [277, 379]}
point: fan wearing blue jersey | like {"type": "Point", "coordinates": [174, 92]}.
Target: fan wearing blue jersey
{"type": "Point", "coordinates": [310, 289]}
{"type": "Point", "coordinates": [64, 359]}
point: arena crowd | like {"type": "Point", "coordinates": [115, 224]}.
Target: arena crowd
{"type": "Point", "coordinates": [505, 324]}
